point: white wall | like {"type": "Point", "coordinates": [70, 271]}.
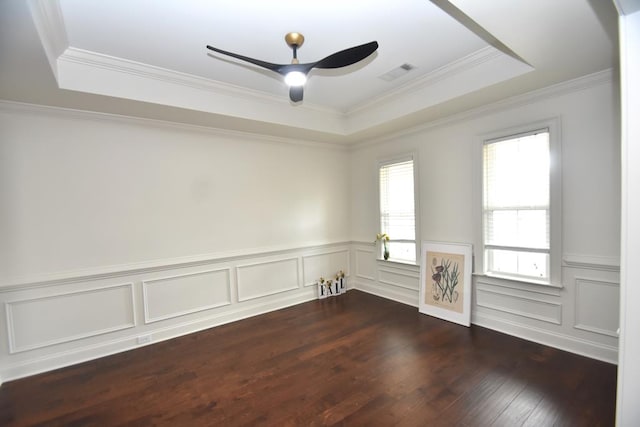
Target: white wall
{"type": "Point", "coordinates": [582, 316]}
{"type": "Point", "coordinates": [81, 191]}
{"type": "Point", "coordinates": [628, 410]}
{"type": "Point", "coordinates": [114, 228]}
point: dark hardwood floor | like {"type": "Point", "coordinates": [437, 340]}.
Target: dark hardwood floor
{"type": "Point", "coordinates": [352, 360]}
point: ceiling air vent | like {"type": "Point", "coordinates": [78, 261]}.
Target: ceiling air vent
{"type": "Point", "coordinates": [397, 72]}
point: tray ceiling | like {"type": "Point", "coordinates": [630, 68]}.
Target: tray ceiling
{"type": "Point", "coordinates": [154, 53]}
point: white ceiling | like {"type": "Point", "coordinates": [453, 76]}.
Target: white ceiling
{"type": "Point", "coordinates": [148, 58]}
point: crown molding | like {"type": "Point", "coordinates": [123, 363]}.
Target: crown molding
{"type": "Point", "coordinates": [90, 72]}
{"type": "Point", "coordinates": [570, 86]}
{"type": "Point", "coordinates": [449, 70]}
{"type": "Point", "coordinates": [476, 71]}
{"type": "Point", "coordinates": [49, 22]}
{"type": "Point", "coordinates": [13, 107]}
{"type": "Point", "coordinates": [125, 66]}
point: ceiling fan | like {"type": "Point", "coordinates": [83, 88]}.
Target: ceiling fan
{"type": "Point", "coordinates": [295, 74]}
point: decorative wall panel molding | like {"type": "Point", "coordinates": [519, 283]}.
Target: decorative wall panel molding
{"type": "Point", "coordinates": [593, 302]}
{"type": "Point", "coordinates": [12, 369]}
{"type": "Point", "coordinates": [401, 278]}
{"type": "Point", "coordinates": [516, 285]}
{"type": "Point", "coordinates": [147, 267]}
{"type": "Point", "coordinates": [365, 264]}
{"type": "Point", "coordinates": [56, 323]}
{"type": "Point", "coordinates": [39, 322]}
{"type": "Point", "coordinates": [266, 278]}
{"type": "Point", "coordinates": [394, 293]}
{"type": "Point", "coordinates": [532, 308]}
{"type": "Point", "coordinates": [173, 296]}
{"type": "Point", "coordinates": [562, 341]}
{"type": "Point", "coordinates": [592, 262]}
{"type": "Point", "coordinates": [325, 265]}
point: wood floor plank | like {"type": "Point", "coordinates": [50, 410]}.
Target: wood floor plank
{"type": "Point", "coordinates": [352, 360]}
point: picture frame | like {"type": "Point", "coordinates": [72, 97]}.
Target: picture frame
{"type": "Point", "coordinates": [445, 281]}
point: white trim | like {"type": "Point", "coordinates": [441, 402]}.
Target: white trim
{"type": "Point", "coordinates": [357, 266]}
{"type": "Point", "coordinates": [530, 287]}
{"type": "Point", "coordinates": [164, 75]}
{"type": "Point", "coordinates": [48, 362]}
{"type": "Point", "coordinates": [153, 266]}
{"type": "Point", "coordinates": [570, 86]}
{"type": "Point", "coordinates": [401, 295]}
{"type": "Point", "coordinates": [399, 285]}
{"type": "Point", "coordinates": [345, 271]}
{"type": "Point", "coordinates": [14, 107]}
{"type": "Point", "coordinates": [576, 324]}
{"type": "Point", "coordinates": [628, 390]}
{"type": "Point", "coordinates": [266, 294]}
{"type": "Point", "coordinates": [390, 160]}
{"type": "Point", "coordinates": [45, 359]}
{"type": "Point", "coordinates": [49, 22]}
{"type": "Point", "coordinates": [434, 77]}
{"type": "Point", "coordinates": [554, 320]}
{"type": "Point", "coordinates": [564, 342]}
{"type": "Point", "coordinates": [13, 348]}
{"type": "Point", "coordinates": [592, 262]}
{"type": "Point", "coordinates": [145, 300]}
{"type": "Point", "coordinates": [555, 198]}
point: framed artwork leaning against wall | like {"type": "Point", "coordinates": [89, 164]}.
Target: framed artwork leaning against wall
{"type": "Point", "coordinates": [445, 281]}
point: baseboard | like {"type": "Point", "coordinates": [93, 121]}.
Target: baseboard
{"type": "Point", "coordinates": [58, 360]}
{"type": "Point", "coordinates": [568, 343]}
{"type": "Point", "coordinates": [404, 296]}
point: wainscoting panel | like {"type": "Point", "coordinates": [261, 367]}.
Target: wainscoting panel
{"type": "Point", "coordinates": [70, 318]}
{"type": "Point", "coordinates": [174, 296]}
{"type": "Point", "coordinates": [387, 279]}
{"type": "Point", "coordinates": [325, 265]}
{"type": "Point", "coordinates": [595, 303]}
{"type": "Point", "coordinates": [45, 321]}
{"type": "Point", "coordinates": [365, 264]}
{"type": "Point", "coordinates": [538, 309]}
{"type": "Point", "coordinates": [60, 321]}
{"type": "Point", "coordinates": [267, 278]}
{"type": "Point", "coordinates": [398, 277]}
{"type": "Point", "coordinates": [581, 316]}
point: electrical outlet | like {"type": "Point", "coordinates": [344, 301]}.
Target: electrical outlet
{"type": "Point", "coordinates": [144, 339]}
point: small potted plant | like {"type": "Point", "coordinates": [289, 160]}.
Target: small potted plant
{"type": "Point", "coordinates": [384, 238]}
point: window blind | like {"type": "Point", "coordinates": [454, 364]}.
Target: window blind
{"type": "Point", "coordinates": [516, 203]}
{"type": "Point", "coordinates": [397, 208]}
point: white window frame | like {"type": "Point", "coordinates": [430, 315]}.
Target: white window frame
{"type": "Point", "coordinates": [385, 162]}
{"type": "Point", "coordinates": [555, 199]}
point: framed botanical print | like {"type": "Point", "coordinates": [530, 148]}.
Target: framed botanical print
{"type": "Point", "coordinates": [445, 281]}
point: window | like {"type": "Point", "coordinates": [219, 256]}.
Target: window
{"type": "Point", "coordinates": [397, 208]}
{"type": "Point", "coordinates": [519, 190]}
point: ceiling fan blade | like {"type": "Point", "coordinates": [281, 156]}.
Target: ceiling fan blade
{"type": "Point", "coordinates": [347, 56]}
{"type": "Point", "coordinates": [295, 93]}
{"type": "Point", "coordinates": [263, 64]}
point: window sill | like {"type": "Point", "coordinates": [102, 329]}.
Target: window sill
{"type": "Point", "coordinates": [394, 261]}
{"type": "Point", "coordinates": [518, 280]}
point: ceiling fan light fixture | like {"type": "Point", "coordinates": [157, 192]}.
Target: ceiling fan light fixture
{"type": "Point", "coordinates": [295, 78]}
{"type": "Point", "coordinates": [295, 74]}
